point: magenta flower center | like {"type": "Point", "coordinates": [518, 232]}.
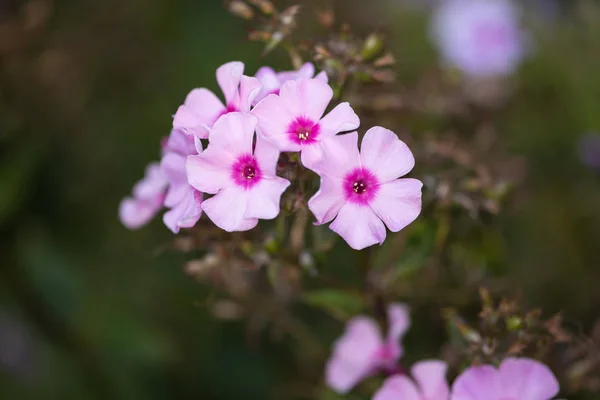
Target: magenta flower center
{"type": "Point", "coordinates": [245, 171]}
{"type": "Point", "coordinates": [360, 186]}
{"type": "Point", "coordinates": [303, 131]}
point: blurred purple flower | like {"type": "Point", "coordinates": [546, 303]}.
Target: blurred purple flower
{"type": "Point", "coordinates": [589, 150]}
{"type": "Point", "coordinates": [429, 383]}
{"type": "Point", "coordinates": [16, 347]}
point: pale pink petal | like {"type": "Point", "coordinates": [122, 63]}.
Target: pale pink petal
{"type": "Point", "coordinates": [358, 226]}
{"type": "Point", "coordinates": [341, 119]}
{"type": "Point", "coordinates": [527, 379]}
{"type": "Point", "coordinates": [267, 155]}
{"type": "Point", "coordinates": [263, 199]}
{"type": "Point", "coordinates": [322, 76]}
{"type": "Point", "coordinates": [173, 165]}
{"type": "Point", "coordinates": [306, 71]}
{"type": "Point", "coordinates": [181, 142]}
{"type": "Point", "coordinates": [306, 97]}
{"type": "Point", "coordinates": [399, 387]}
{"type": "Point", "coordinates": [135, 213]}
{"type": "Point", "coordinates": [328, 200]}
{"type": "Point", "coordinates": [153, 183]}
{"type": "Point", "coordinates": [340, 156]}
{"type": "Point", "coordinates": [186, 213]}
{"type": "Point", "coordinates": [352, 357]}
{"type": "Point", "coordinates": [227, 208]}
{"type": "Point", "coordinates": [431, 377]}
{"type": "Point", "coordinates": [477, 383]}
{"type": "Point", "coordinates": [234, 132]}
{"type": "Point", "coordinates": [247, 224]}
{"type": "Point", "coordinates": [312, 155]}
{"type": "Point", "coordinates": [228, 77]}
{"type": "Point", "coordinates": [249, 89]}
{"type": "Point", "coordinates": [398, 203]}
{"type": "Point", "coordinates": [200, 110]}
{"type": "Point", "coordinates": [399, 321]}
{"type": "Point", "coordinates": [386, 155]}
{"type": "Point", "coordinates": [273, 122]}
{"type": "Point", "coordinates": [210, 171]}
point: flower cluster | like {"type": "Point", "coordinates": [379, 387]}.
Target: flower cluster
{"type": "Point", "coordinates": [362, 352]}
{"type": "Point", "coordinates": [231, 150]}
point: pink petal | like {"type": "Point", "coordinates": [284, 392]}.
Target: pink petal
{"type": "Point", "coordinates": [273, 122]}
{"type": "Point", "coordinates": [312, 155]}
{"type": "Point", "coordinates": [306, 97]}
{"type": "Point", "coordinates": [386, 155]}
{"type": "Point", "coordinates": [306, 71]}
{"type": "Point", "coordinates": [210, 171]}
{"type": "Point", "coordinates": [173, 166]}
{"type": "Point", "coordinates": [322, 76]}
{"type": "Point", "coordinates": [247, 224]}
{"type": "Point", "coordinates": [358, 226]}
{"type": "Point", "coordinates": [186, 213]}
{"type": "Point", "coordinates": [399, 387]}
{"type": "Point", "coordinates": [267, 155]}
{"type": "Point", "coordinates": [249, 89]}
{"type": "Point", "coordinates": [263, 199]}
{"type": "Point", "coordinates": [341, 119]}
{"type": "Point", "coordinates": [399, 321]}
{"type": "Point", "coordinates": [227, 208]}
{"type": "Point", "coordinates": [340, 156]}
{"type": "Point", "coordinates": [352, 358]}
{"type": "Point", "coordinates": [136, 213]}
{"type": "Point", "coordinates": [181, 142]}
{"type": "Point", "coordinates": [269, 82]}
{"type": "Point", "coordinates": [153, 183]}
{"type": "Point", "coordinates": [527, 379]}
{"type": "Point", "coordinates": [328, 201]}
{"type": "Point", "coordinates": [431, 377]}
{"type": "Point", "coordinates": [234, 132]}
{"type": "Point", "coordinates": [477, 383]}
{"type": "Point", "coordinates": [228, 77]}
{"type": "Point", "coordinates": [200, 110]}
{"type": "Point", "coordinates": [398, 202]}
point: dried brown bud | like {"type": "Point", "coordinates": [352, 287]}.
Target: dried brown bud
{"type": "Point", "coordinates": [326, 17]}
{"type": "Point", "coordinates": [265, 6]}
{"type": "Point", "coordinates": [241, 9]}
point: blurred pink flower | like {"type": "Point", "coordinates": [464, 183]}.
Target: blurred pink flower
{"type": "Point", "coordinates": [202, 108]}
{"type": "Point", "coordinates": [361, 190]}
{"type": "Point", "coordinates": [271, 81]}
{"type": "Point", "coordinates": [431, 384]}
{"type": "Point", "coordinates": [516, 379]}
{"type": "Point", "coordinates": [241, 177]}
{"type": "Point", "coordinates": [480, 38]}
{"type": "Point", "coordinates": [147, 200]}
{"type": "Point", "coordinates": [361, 351]}
{"type": "Point", "coordinates": [293, 120]}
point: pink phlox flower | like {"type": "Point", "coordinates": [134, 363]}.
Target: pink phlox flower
{"type": "Point", "coordinates": [202, 108]}
{"type": "Point", "coordinates": [239, 174]}
{"type": "Point", "coordinates": [182, 199]}
{"type": "Point", "coordinates": [294, 121]}
{"type": "Point", "coordinates": [429, 383]}
{"type": "Point", "coordinates": [147, 200]}
{"type": "Point", "coordinates": [361, 190]}
{"type": "Point", "coordinates": [515, 379]}
{"type": "Point", "coordinates": [480, 38]}
{"type": "Point", "coordinates": [362, 351]}
{"type": "Point", "coordinates": [271, 81]}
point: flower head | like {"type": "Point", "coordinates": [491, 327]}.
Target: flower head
{"type": "Point", "coordinates": [516, 379]}
{"type": "Point", "coordinates": [147, 200]}
{"type": "Point", "coordinates": [480, 38]}
{"type": "Point", "coordinates": [294, 121]}
{"type": "Point", "coordinates": [362, 350]}
{"type": "Point", "coordinates": [239, 174]}
{"type": "Point", "coordinates": [202, 108]}
{"type": "Point", "coordinates": [361, 190]}
{"type": "Point", "coordinates": [271, 81]}
{"type": "Point", "coordinates": [429, 383]}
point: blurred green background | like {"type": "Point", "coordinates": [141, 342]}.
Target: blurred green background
{"type": "Point", "coordinates": [91, 310]}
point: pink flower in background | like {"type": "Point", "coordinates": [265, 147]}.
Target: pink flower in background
{"type": "Point", "coordinates": [202, 108]}
{"type": "Point", "coordinates": [429, 383]}
{"type": "Point", "coordinates": [294, 120]}
{"type": "Point", "coordinates": [241, 176]}
{"type": "Point", "coordinates": [516, 379]}
{"type": "Point", "coordinates": [147, 200]}
{"type": "Point", "coordinates": [361, 190]}
{"type": "Point", "coordinates": [183, 200]}
{"type": "Point", "coordinates": [361, 351]}
{"type": "Point", "coordinates": [271, 81]}
{"type": "Point", "coordinates": [480, 38]}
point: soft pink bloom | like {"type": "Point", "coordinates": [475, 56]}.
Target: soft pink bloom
{"type": "Point", "coordinates": [429, 383]}
{"type": "Point", "coordinates": [183, 200]}
{"type": "Point", "coordinates": [202, 108]}
{"type": "Point", "coordinates": [271, 81]}
{"type": "Point", "coordinates": [516, 379]}
{"type": "Point", "coordinates": [294, 120]}
{"type": "Point", "coordinates": [361, 351]}
{"type": "Point", "coordinates": [362, 190]}
{"type": "Point", "coordinates": [147, 200]}
{"type": "Point", "coordinates": [241, 176]}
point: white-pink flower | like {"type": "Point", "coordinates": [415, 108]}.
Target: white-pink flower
{"type": "Point", "coordinates": [202, 108]}
{"type": "Point", "coordinates": [362, 190]}
{"type": "Point", "coordinates": [271, 81]}
{"type": "Point", "coordinates": [294, 121]}
{"type": "Point", "coordinates": [239, 172]}
{"type": "Point", "coordinates": [429, 383]}
{"type": "Point", "coordinates": [361, 351]}
{"type": "Point", "coordinates": [147, 200]}
{"type": "Point", "coordinates": [515, 379]}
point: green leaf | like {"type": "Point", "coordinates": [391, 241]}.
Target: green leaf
{"type": "Point", "coordinates": [339, 304]}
